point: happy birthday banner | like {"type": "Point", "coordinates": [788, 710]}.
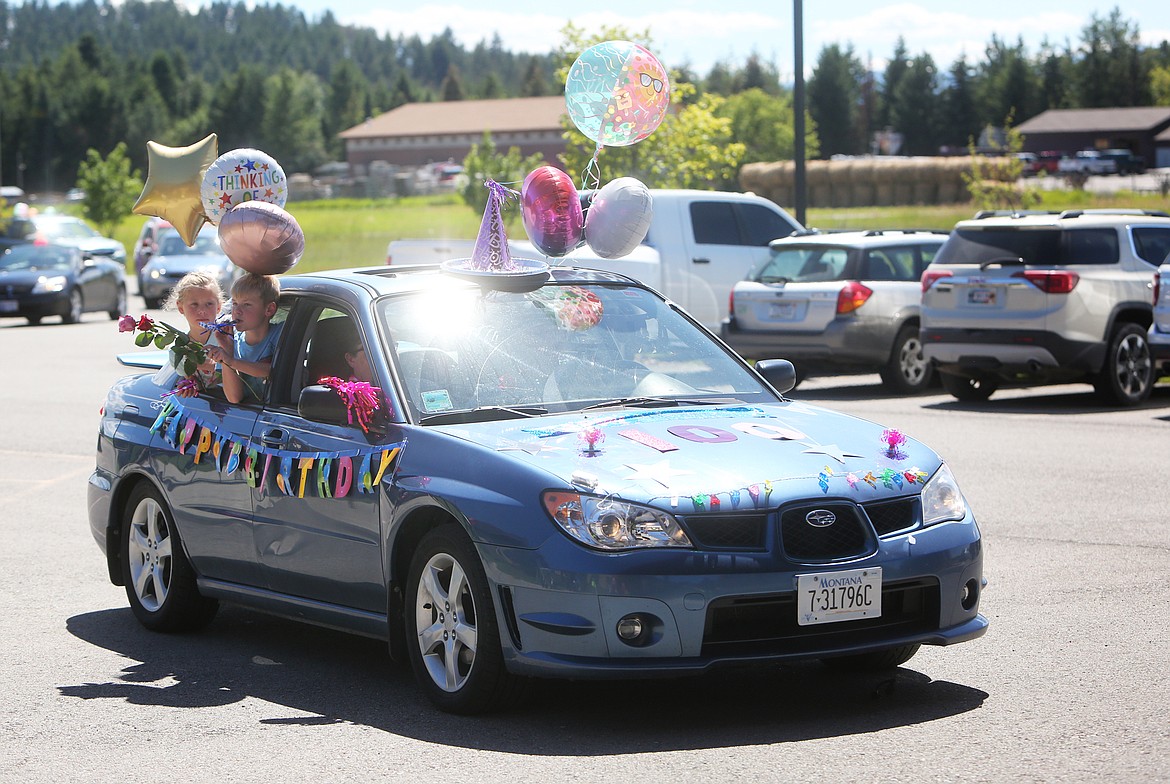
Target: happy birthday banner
{"type": "Point", "coordinates": [324, 474]}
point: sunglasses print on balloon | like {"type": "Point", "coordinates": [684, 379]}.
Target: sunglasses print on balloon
{"type": "Point", "coordinates": [648, 80]}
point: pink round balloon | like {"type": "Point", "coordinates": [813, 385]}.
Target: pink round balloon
{"type": "Point", "coordinates": [619, 217]}
{"type": "Point", "coordinates": [262, 238]}
{"type": "Point", "coordinates": [551, 211]}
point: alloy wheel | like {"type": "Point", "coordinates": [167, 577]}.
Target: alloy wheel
{"type": "Point", "coordinates": [445, 616]}
{"type": "Point", "coordinates": [149, 550]}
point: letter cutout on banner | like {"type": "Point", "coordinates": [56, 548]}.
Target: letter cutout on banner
{"type": "Point", "coordinates": [306, 465]}
{"type": "Point", "coordinates": [203, 446]}
{"type": "Point", "coordinates": [323, 490]}
{"type": "Point", "coordinates": [765, 430]}
{"type": "Point", "coordinates": [250, 468]}
{"type": "Point", "coordinates": [217, 450]}
{"type": "Point", "coordinates": [387, 458]}
{"type": "Point", "coordinates": [363, 475]}
{"type": "Point", "coordinates": [701, 434]}
{"type": "Point", "coordinates": [284, 478]}
{"type": "Point", "coordinates": [344, 476]}
{"type": "Point", "coordinates": [172, 429]}
{"type": "Point", "coordinates": [233, 461]}
{"type": "Point", "coordinates": [188, 432]}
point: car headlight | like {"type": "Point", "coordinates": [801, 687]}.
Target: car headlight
{"type": "Point", "coordinates": [47, 285]}
{"type": "Point", "coordinates": [941, 498]}
{"type": "Point", "coordinates": [609, 524]}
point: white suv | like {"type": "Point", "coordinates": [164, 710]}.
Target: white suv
{"type": "Point", "coordinates": [1026, 298]}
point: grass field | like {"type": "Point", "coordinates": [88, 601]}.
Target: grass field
{"type": "Point", "coordinates": [350, 233]}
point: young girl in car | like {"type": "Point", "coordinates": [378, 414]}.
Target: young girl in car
{"type": "Point", "coordinates": [199, 300]}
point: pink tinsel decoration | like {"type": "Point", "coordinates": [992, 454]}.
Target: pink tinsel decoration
{"type": "Point", "coordinates": [361, 399]}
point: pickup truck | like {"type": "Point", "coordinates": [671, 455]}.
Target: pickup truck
{"type": "Point", "coordinates": [699, 245]}
{"type": "Point", "coordinates": [1087, 162]}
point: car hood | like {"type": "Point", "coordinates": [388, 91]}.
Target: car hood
{"type": "Point", "coordinates": [714, 458]}
{"type": "Point", "coordinates": [101, 246]}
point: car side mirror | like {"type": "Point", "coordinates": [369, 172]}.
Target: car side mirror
{"type": "Point", "coordinates": [780, 373]}
{"type": "Point", "coordinates": [320, 403]}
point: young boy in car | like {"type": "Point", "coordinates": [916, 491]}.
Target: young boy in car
{"type": "Point", "coordinates": [246, 356]}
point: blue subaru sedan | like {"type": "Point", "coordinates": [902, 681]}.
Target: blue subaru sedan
{"type": "Point", "coordinates": [567, 478]}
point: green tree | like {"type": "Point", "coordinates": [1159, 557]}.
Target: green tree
{"type": "Point", "coordinates": [534, 81]}
{"type": "Point", "coordinates": [484, 162]}
{"type": "Point", "coordinates": [1160, 85]}
{"type": "Point", "coordinates": [764, 125]}
{"type": "Point", "coordinates": [914, 111]}
{"type": "Point", "coordinates": [833, 100]}
{"type": "Point", "coordinates": [111, 187]}
{"type": "Point", "coordinates": [992, 182]}
{"type": "Point", "coordinates": [1110, 71]}
{"type": "Point", "coordinates": [896, 68]}
{"type": "Point", "coordinates": [958, 122]}
{"type": "Point", "coordinates": [452, 87]}
{"type": "Point", "coordinates": [291, 124]}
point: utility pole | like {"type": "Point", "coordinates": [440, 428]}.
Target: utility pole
{"type": "Point", "coordinates": [798, 106]}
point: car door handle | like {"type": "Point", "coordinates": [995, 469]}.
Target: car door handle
{"type": "Point", "coordinates": [700, 261]}
{"type": "Point", "coordinates": [274, 437]}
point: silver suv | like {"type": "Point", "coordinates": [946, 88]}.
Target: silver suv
{"type": "Point", "coordinates": [1027, 298]}
{"type": "Point", "coordinates": [838, 303]}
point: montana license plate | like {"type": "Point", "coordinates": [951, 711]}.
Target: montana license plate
{"type": "Point", "coordinates": [828, 597]}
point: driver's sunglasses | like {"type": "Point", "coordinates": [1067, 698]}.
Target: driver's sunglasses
{"type": "Point", "coordinates": [648, 80]}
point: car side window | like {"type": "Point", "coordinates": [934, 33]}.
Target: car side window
{"type": "Point", "coordinates": [760, 225]}
{"type": "Point", "coordinates": [926, 254]}
{"type": "Point", "coordinates": [1152, 244]}
{"type": "Point", "coordinates": [890, 264]}
{"type": "Point", "coordinates": [1090, 246]}
{"type": "Point", "coordinates": [714, 223]}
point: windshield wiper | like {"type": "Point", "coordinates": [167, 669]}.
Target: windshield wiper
{"type": "Point", "coordinates": [483, 414]}
{"type": "Point", "coordinates": [1003, 261]}
{"type": "Point", "coordinates": [657, 402]}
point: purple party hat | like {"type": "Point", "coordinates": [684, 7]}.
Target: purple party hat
{"type": "Point", "coordinates": [491, 252]}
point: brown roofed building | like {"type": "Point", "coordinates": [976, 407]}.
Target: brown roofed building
{"type": "Point", "coordinates": [416, 134]}
{"type": "Point", "coordinates": [1135, 128]}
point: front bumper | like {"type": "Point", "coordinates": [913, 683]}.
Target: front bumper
{"type": "Point", "coordinates": [36, 305]}
{"type": "Point", "coordinates": [559, 606]}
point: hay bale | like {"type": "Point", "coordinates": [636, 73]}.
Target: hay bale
{"type": "Point", "coordinates": [863, 183]}
{"type": "Point", "coordinates": [840, 182]}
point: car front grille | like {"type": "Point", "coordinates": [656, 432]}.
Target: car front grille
{"type": "Point", "coordinates": [766, 625]}
{"type": "Point", "coordinates": [890, 516]}
{"type": "Point", "coordinates": [728, 532]}
{"type": "Point", "coordinates": [846, 537]}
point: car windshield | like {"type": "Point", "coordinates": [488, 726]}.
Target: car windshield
{"type": "Point", "coordinates": [205, 243]}
{"type": "Point", "coordinates": [1042, 247]}
{"type": "Point", "coordinates": [560, 348]}
{"type": "Point", "coordinates": [35, 257]}
{"type": "Point", "coordinates": [64, 230]}
{"type": "Point", "coordinates": [804, 263]}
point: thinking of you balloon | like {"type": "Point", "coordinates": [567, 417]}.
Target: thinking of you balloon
{"type": "Point", "coordinates": [239, 176]}
{"type": "Point", "coordinates": [617, 93]}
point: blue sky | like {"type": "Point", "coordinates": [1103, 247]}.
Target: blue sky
{"type": "Point", "coordinates": [702, 33]}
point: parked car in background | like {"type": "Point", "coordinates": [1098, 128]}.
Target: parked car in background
{"type": "Point", "coordinates": [1048, 161]}
{"type": "Point", "coordinates": [1028, 299]}
{"type": "Point", "coordinates": [1159, 333]}
{"type": "Point", "coordinates": [146, 244]}
{"type": "Point", "coordinates": [1030, 161]}
{"type": "Point", "coordinates": [67, 230]}
{"type": "Point", "coordinates": [1086, 163]}
{"type": "Point", "coordinates": [838, 303]}
{"type": "Point", "coordinates": [173, 259]}
{"type": "Point", "coordinates": [1125, 161]}
{"type": "Point", "coordinates": [39, 279]}
{"type": "Point", "coordinates": [568, 479]}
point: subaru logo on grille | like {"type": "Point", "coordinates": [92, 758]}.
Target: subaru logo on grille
{"type": "Point", "coordinates": [820, 518]}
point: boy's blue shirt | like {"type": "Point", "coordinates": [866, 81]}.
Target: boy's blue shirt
{"type": "Point", "coordinates": [257, 353]}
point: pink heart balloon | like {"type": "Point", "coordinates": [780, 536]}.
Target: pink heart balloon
{"type": "Point", "coordinates": [262, 238]}
{"type": "Point", "coordinates": [551, 211]}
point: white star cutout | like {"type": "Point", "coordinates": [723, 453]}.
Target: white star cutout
{"type": "Point", "coordinates": [660, 472]}
{"type": "Point", "coordinates": [832, 450]}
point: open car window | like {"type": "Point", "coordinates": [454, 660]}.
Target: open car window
{"type": "Point", "coordinates": [560, 348]}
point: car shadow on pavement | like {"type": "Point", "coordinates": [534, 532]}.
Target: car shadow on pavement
{"type": "Point", "coordinates": [313, 676]}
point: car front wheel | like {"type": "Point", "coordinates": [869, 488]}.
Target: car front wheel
{"type": "Point", "coordinates": [76, 307]}
{"type": "Point", "coordinates": [119, 304]}
{"type": "Point", "coordinates": [907, 372]}
{"type": "Point", "coordinates": [1127, 377]}
{"type": "Point", "coordinates": [453, 637]}
{"type": "Point", "coordinates": [966, 389]}
{"type": "Point", "coordinates": [160, 582]}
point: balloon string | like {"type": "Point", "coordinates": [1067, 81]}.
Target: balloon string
{"type": "Point", "coordinates": [591, 177]}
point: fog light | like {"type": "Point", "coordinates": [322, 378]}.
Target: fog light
{"type": "Point", "coordinates": [630, 628]}
{"type": "Point", "coordinates": [970, 596]}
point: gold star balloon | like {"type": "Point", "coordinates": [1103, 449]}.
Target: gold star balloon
{"type": "Point", "coordinates": [173, 181]}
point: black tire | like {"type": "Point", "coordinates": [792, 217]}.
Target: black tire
{"type": "Point", "coordinates": [875, 661]}
{"type": "Point", "coordinates": [152, 303]}
{"type": "Point", "coordinates": [76, 308]}
{"type": "Point", "coordinates": [34, 320]}
{"type": "Point", "coordinates": [119, 304]}
{"type": "Point", "coordinates": [1128, 376]}
{"type": "Point", "coordinates": [452, 636]}
{"type": "Point", "coordinates": [907, 372]}
{"type": "Point", "coordinates": [968, 390]}
{"type": "Point", "coordinates": [160, 583]}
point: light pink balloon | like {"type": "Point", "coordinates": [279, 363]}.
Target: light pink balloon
{"type": "Point", "coordinates": [551, 211]}
{"type": "Point", "coordinates": [618, 217]}
{"type": "Point", "coordinates": [262, 238]}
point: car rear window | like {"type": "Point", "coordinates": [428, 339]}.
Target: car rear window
{"type": "Point", "coordinates": [805, 263]}
{"type": "Point", "coordinates": [1044, 247]}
